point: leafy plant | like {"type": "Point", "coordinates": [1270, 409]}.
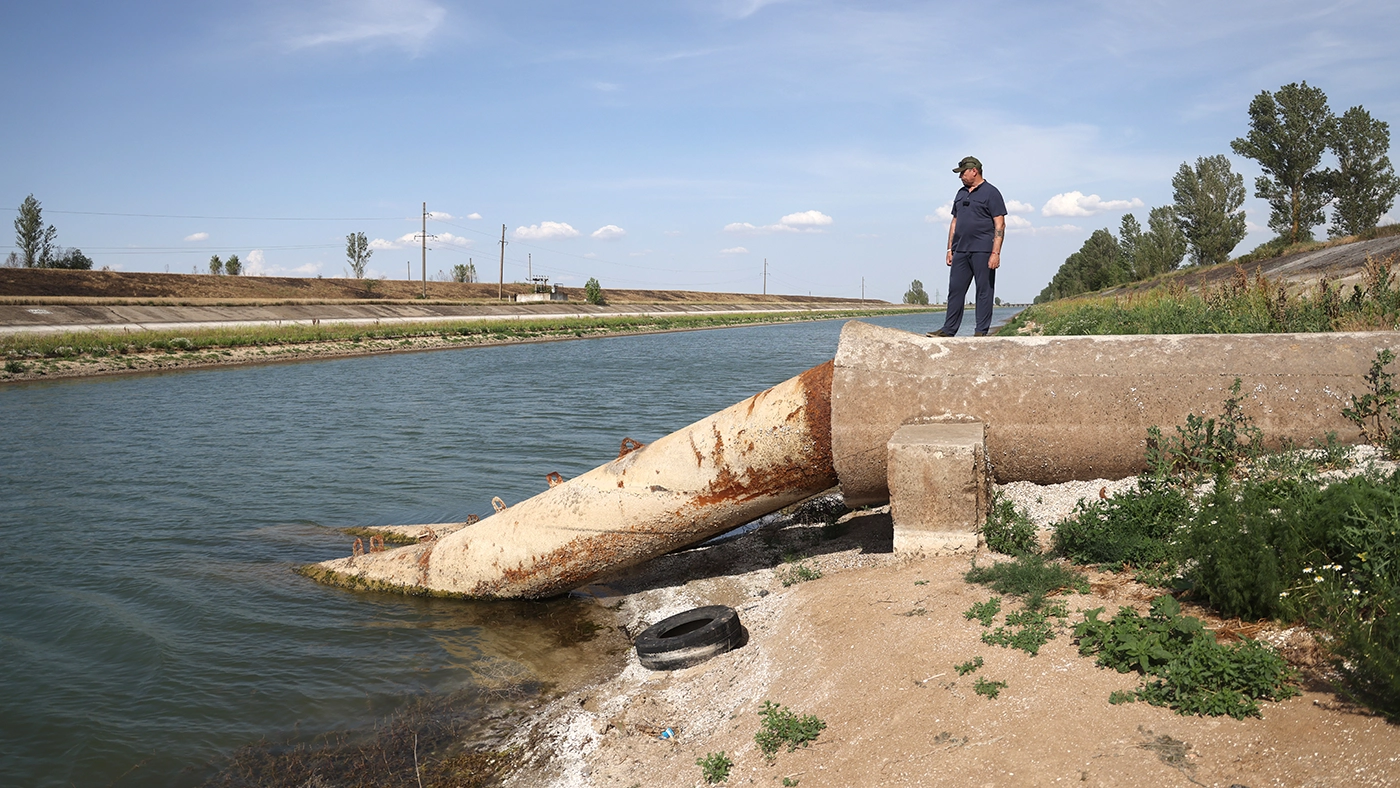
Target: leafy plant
{"type": "Point", "coordinates": [781, 726]}
{"type": "Point", "coordinates": [984, 611]}
{"type": "Point", "coordinates": [1025, 630]}
{"type": "Point", "coordinates": [1375, 412]}
{"type": "Point", "coordinates": [1030, 576]}
{"type": "Point", "coordinates": [1183, 666]}
{"type": "Point", "coordinates": [968, 666]}
{"type": "Point", "coordinates": [1205, 447]}
{"type": "Point", "coordinates": [714, 767]}
{"type": "Point", "coordinates": [1009, 530]}
{"type": "Point", "coordinates": [988, 689]}
{"type": "Point", "coordinates": [15, 367]}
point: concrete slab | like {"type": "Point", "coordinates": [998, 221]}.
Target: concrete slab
{"type": "Point", "coordinates": [939, 486]}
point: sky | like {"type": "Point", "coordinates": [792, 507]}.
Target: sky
{"type": "Point", "coordinates": [648, 145]}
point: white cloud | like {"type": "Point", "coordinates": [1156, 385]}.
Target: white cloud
{"type": "Point", "coordinates": [367, 24]}
{"type": "Point", "coordinates": [608, 232]}
{"type": "Point", "coordinates": [804, 222]}
{"type": "Point", "coordinates": [255, 264]}
{"type": "Point", "coordinates": [1078, 204]}
{"type": "Point", "coordinates": [605, 87]}
{"type": "Point", "coordinates": [734, 250]}
{"type": "Point", "coordinates": [544, 231]}
{"type": "Point", "coordinates": [439, 215]}
{"type": "Point", "coordinates": [197, 237]}
{"type": "Point", "coordinates": [943, 214]}
{"type": "Point", "coordinates": [412, 241]}
{"type": "Point", "coordinates": [806, 219]}
{"type": "Point", "coordinates": [473, 215]}
{"type": "Point", "coordinates": [1012, 206]}
{"type": "Point", "coordinates": [1014, 222]}
{"type": "Point", "coordinates": [449, 238]}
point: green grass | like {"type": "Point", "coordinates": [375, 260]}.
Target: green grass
{"type": "Point", "coordinates": [1032, 577]}
{"type": "Point", "coordinates": [799, 573]}
{"type": "Point", "coordinates": [714, 767]}
{"type": "Point", "coordinates": [1009, 530]}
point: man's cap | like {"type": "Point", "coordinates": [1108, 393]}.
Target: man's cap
{"type": "Point", "coordinates": [968, 163]}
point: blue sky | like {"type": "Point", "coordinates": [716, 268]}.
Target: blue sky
{"type": "Point", "coordinates": [646, 144]}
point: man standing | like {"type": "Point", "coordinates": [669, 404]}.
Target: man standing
{"type": "Point", "coordinates": [974, 247]}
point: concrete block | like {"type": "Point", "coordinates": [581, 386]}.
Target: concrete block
{"type": "Point", "coordinates": [939, 485]}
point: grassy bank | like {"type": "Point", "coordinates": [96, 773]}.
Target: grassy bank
{"type": "Point", "coordinates": [30, 355]}
{"type": "Point", "coordinates": [1239, 305]}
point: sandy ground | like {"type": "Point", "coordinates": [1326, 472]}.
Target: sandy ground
{"type": "Point", "coordinates": [870, 648]}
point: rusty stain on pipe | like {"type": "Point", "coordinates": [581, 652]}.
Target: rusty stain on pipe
{"type": "Point", "coordinates": [755, 457]}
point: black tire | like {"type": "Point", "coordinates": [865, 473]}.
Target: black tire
{"type": "Point", "coordinates": [689, 638]}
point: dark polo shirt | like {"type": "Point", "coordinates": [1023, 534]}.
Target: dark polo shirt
{"type": "Point", "coordinates": [974, 211]}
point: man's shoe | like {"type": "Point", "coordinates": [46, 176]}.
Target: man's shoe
{"type": "Point", "coordinates": [939, 333]}
{"type": "Point", "coordinates": [980, 334]}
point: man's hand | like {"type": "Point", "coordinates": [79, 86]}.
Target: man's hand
{"type": "Point", "coordinates": [949, 261]}
{"type": "Point", "coordinates": [994, 262]}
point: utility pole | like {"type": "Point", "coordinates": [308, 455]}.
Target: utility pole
{"type": "Point", "coordinates": [501, 286]}
{"type": "Point", "coordinates": [862, 291]}
{"type": "Point", "coordinates": [765, 276]}
{"type": "Point", "coordinates": [408, 266]}
{"type": "Point", "coordinates": [425, 250]}
{"type": "Point", "coordinates": [530, 267]}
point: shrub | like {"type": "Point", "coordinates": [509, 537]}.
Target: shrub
{"type": "Point", "coordinates": [1009, 530]}
{"type": "Point", "coordinates": [988, 689]}
{"type": "Point", "coordinates": [1134, 527]}
{"type": "Point", "coordinates": [968, 666]}
{"type": "Point", "coordinates": [1205, 447]}
{"type": "Point", "coordinates": [799, 573]}
{"type": "Point", "coordinates": [781, 726]}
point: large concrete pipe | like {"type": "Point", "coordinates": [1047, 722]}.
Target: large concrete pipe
{"type": "Point", "coordinates": [1062, 408]}
{"type": "Point", "coordinates": [770, 450]}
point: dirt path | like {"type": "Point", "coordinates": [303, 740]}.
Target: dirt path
{"type": "Point", "coordinates": [870, 648]}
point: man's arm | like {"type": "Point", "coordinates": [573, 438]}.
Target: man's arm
{"type": "Point", "coordinates": [951, 227]}
{"type": "Point", "coordinates": [998, 222]}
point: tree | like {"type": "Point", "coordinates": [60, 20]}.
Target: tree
{"type": "Point", "coordinates": [1364, 184]}
{"type": "Point", "coordinates": [1099, 263]}
{"type": "Point", "coordinates": [915, 294]}
{"type": "Point", "coordinates": [1129, 240]}
{"type": "Point", "coordinates": [1288, 132]}
{"type": "Point", "coordinates": [1208, 200]}
{"type": "Point", "coordinates": [233, 266]}
{"type": "Point", "coordinates": [72, 259]}
{"type": "Point", "coordinates": [592, 291]}
{"type": "Point", "coordinates": [216, 266]}
{"type": "Point", "coordinates": [357, 251]}
{"type": "Point", "coordinates": [464, 273]}
{"type": "Point", "coordinates": [1161, 248]}
{"type": "Point", "coordinates": [35, 242]}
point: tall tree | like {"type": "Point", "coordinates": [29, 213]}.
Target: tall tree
{"type": "Point", "coordinates": [357, 252]}
{"type": "Point", "coordinates": [1288, 132]}
{"type": "Point", "coordinates": [216, 266]}
{"type": "Point", "coordinates": [1364, 184]}
{"type": "Point", "coordinates": [233, 266]}
{"type": "Point", "coordinates": [1207, 207]}
{"type": "Point", "coordinates": [916, 293]}
{"type": "Point", "coordinates": [1130, 241]}
{"type": "Point", "coordinates": [35, 242]}
{"type": "Point", "coordinates": [1163, 245]}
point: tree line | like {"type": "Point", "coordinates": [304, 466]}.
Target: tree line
{"type": "Point", "coordinates": [1289, 132]}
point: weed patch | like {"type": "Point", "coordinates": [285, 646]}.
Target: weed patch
{"type": "Point", "coordinates": [799, 573]}
{"type": "Point", "coordinates": [988, 689]}
{"type": "Point", "coordinates": [984, 612]}
{"type": "Point", "coordinates": [1032, 577]}
{"type": "Point", "coordinates": [782, 727]}
{"type": "Point", "coordinates": [1135, 527]}
{"type": "Point", "coordinates": [1009, 530]}
{"type": "Point", "coordinates": [968, 666]}
{"type": "Point", "coordinates": [714, 767]}
{"type": "Point", "coordinates": [1184, 668]}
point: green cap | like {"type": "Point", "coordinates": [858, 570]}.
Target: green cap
{"type": "Point", "coordinates": [968, 163]}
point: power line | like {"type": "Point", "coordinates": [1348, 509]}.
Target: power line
{"type": "Point", "coordinates": [239, 218]}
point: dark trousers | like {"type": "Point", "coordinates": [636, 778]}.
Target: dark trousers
{"type": "Point", "coordinates": [966, 267]}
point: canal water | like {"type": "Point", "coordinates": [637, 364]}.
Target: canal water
{"type": "Point", "coordinates": [152, 622]}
